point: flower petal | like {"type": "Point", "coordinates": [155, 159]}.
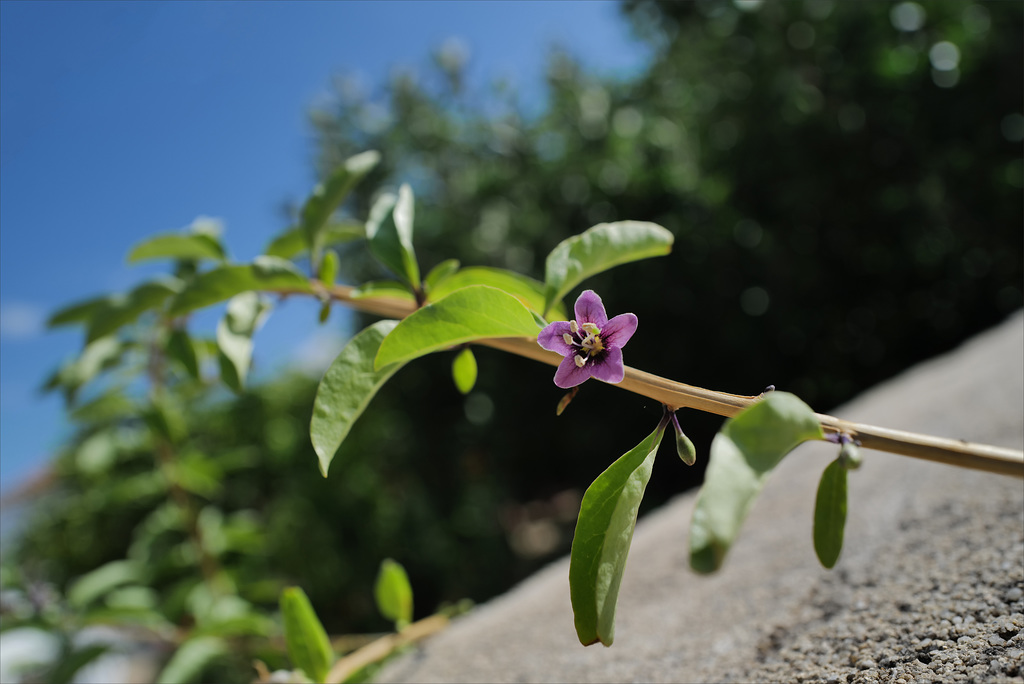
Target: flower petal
{"type": "Point", "coordinates": [569, 374]}
{"type": "Point", "coordinates": [551, 338]}
{"type": "Point", "coordinates": [590, 309]}
{"type": "Point", "coordinates": [618, 330]}
{"type": "Point", "coordinates": [608, 367]}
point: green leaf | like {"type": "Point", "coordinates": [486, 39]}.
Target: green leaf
{"type": "Point", "coordinates": [345, 390]}
{"type": "Point", "coordinates": [243, 317]}
{"type": "Point", "coordinates": [464, 370]}
{"type": "Point", "coordinates": [118, 311]}
{"type": "Point", "coordinates": [600, 545]}
{"type": "Point", "coordinates": [743, 454]}
{"type": "Point", "coordinates": [383, 288]}
{"type": "Point", "coordinates": [308, 645]}
{"type": "Point", "coordinates": [180, 348]}
{"type": "Point", "coordinates": [78, 312]}
{"type": "Point", "coordinates": [830, 514]}
{"type": "Point", "coordinates": [97, 356]}
{"type": "Point", "coordinates": [394, 593]}
{"type": "Point", "coordinates": [178, 246]}
{"type": "Point", "coordinates": [472, 313]}
{"type": "Point", "coordinates": [597, 249]}
{"type": "Point", "coordinates": [97, 583]}
{"type": "Point", "coordinates": [292, 242]}
{"type": "Point", "coordinates": [527, 290]}
{"type": "Point", "coordinates": [391, 243]}
{"type": "Point", "coordinates": [224, 282]}
{"type": "Point", "coordinates": [329, 195]}
{"type": "Point", "coordinates": [111, 405]}
{"type": "Point", "coordinates": [188, 662]}
{"type": "Point", "coordinates": [439, 273]}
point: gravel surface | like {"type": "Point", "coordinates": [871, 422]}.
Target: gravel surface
{"type": "Point", "coordinates": [930, 586]}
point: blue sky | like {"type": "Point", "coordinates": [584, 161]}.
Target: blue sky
{"type": "Point", "coordinates": [119, 120]}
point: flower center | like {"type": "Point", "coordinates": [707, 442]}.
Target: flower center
{"type": "Point", "coordinates": [586, 339]}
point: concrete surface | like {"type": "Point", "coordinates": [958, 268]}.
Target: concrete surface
{"type": "Point", "coordinates": [930, 585]}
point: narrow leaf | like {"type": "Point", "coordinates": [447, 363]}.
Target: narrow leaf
{"type": "Point", "coordinates": [464, 370]}
{"type": "Point", "coordinates": [403, 215]}
{"type": "Point", "coordinates": [469, 314]}
{"type": "Point", "coordinates": [527, 290]}
{"type": "Point", "coordinates": [187, 663]}
{"type": "Point", "coordinates": [244, 315]}
{"type": "Point", "coordinates": [598, 249]}
{"type": "Point", "coordinates": [604, 532]}
{"type": "Point", "coordinates": [389, 244]}
{"type": "Point", "coordinates": [78, 312]}
{"type": "Point", "coordinates": [345, 390]}
{"type": "Point", "coordinates": [292, 242]}
{"type": "Point", "coordinates": [329, 195]}
{"type": "Point", "coordinates": [743, 454]}
{"type": "Point", "coordinates": [308, 645]}
{"type": "Point", "coordinates": [178, 246]}
{"type": "Point", "coordinates": [97, 583]}
{"type": "Point", "coordinates": [181, 349]}
{"type": "Point", "coordinates": [830, 514]}
{"type": "Point", "coordinates": [265, 273]}
{"type": "Point", "coordinates": [394, 593]}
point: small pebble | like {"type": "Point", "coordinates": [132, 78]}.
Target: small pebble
{"type": "Point", "coordinates": [1014, 594]}
{"type": "Point", "coordinates": [996, 640]}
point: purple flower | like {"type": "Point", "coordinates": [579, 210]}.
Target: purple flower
{"type": "Point", "coordinates": [591, 344]}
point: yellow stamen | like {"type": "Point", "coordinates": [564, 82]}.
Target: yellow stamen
{"type": "Point", "coordinates": [580, 360]}
{"type": "Point", "coordinates": [567, 337]}
{"type": "Point", "coordinates": [591, 328]}
{"type": "Point", "coordinates": [574, 326]}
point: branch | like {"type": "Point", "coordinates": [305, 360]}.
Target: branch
{"type": "Point", "coordinates": [678, 395]}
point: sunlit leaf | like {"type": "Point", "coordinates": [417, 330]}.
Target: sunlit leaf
{"type": "Point", "coordinates": [527, 290]}
{"type": "Point", "coordinates": [597, 249]}
{"type": "Point", "coordinates": [178, 246]}
{"type": "Point", "coordinates": [243, 317]}
{"type": "Point", "coordinates": [292, 242]}
{"type": "Point", "coordinates": [391, 242]}
{"type": "Point", "coordinates": [308, 645]}
{"type": "Point", "coordinates": [472, 313]}
{"type": "Point", "coordinates": [830, 514]}
{"type": "Point", "coordinates": [393, 593]}
{"type": "Point", "coordinates": [743, 454]}
{"type": "Point", "coordinates": [345, 390]}
{"type": "Point", "coordinates": [97, 583]}
{"type": "Point", "coordinates": [265, 273]}
{"type": "Point", "coordinates": [603, 535]}
{"type": "Point", "coordinates": [464, 370]}
{"type": "Point", "coordinates": [187, 663]}
{"type": "Point", "coordinates": [329, 195]}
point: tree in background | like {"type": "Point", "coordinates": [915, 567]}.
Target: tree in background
{"type": "Point", "coordinates": [844, 184]}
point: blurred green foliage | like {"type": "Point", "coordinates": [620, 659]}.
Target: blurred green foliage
{"type": "Point", "coordinates": [845, 189]}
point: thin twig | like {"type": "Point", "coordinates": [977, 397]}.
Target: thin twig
{"type": "Point", "coordinates": [678, 395]}
{"type": "Point", "coordinates": [381, 648]}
